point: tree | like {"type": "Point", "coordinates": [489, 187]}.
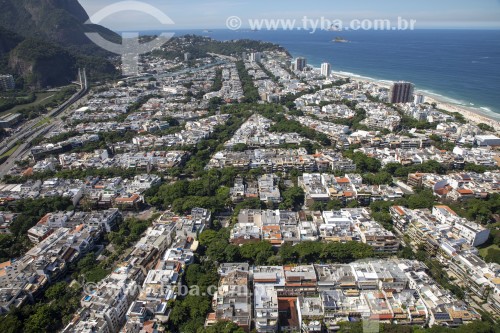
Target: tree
{"type": "Point", "coordinates": [207, 237]}
{"type": "Point", "coordinates": [475, 168]}
{"type": "Point", "coordinates": [222, 327]}
{"type": "Point", "coordinates": [383, 218]}
{"type": "Point", "coordinates": [364, 163]}
{"type": "Point", "coordinates": [56, 291]}
{"type": "Point", "coordinates": [232, 253]}
{"type": "Point", "coordinates": [216, 251]}
{"type": "Point", "coordinates": [314, 252]}
{"type": "Point", "coordinates": [399, 170]}
{"type": "Point", "coordinates": [308, 251]}
{"type": "Point", "coordinates": [422, 199]}
{"type": "Point", "coordinates": [380, 178]}
{"type": "Point", "coordinates": [31, 210]}
{"type": "Point", "coordinates": [334, 205]}
{"type": "Point", "coordinates": [198, 306]}
{"type": "Point", "coordinates": [293, 198]}
{"type": "Point", "coordinates": [287, 253]}
{"type": "Point", "coordinates": [353, 204]}
{"type": "Point", "coordinates": [249, 89]}
{"type": "Point", "coordinates": [10, 324]}
{"type": "Point", "coordinates": [406, 253]}
{"type": "Point", "coordinates": [360, 250]}
{"type": "Point", "coordinates": [193, 273]}
{"type": "Point", "coordinates": [318, 206]}
{"type": "Point", "coordinates": [307, 145]}
{"type": "Point", "coordinates": [87, 262]}
{"type": "Point", "coordinates": [257, 252]}
{"type": "Point", "coordinates": [485, 127]}
{"type": "Point", "coordinates": [44, 320]}
{"type": "Point", "coordinates": [493, 255]}
{"type": "Point", "coordinates": [11, 247]}
{"type": "Point", "coordinates": [178, 315]}
{"type": "Point", "coordinates": [239, 147]}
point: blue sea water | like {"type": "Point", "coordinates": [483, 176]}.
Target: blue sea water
{"type": "Point", "coordinates": [461, 65]}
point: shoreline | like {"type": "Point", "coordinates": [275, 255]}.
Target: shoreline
{"type": "Point", "coordinates": [474, 115]}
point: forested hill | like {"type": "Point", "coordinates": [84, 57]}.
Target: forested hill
{"type": "Point", "coordinates": [61, 22]}
{"type": "Point", "coordinates": [44, 42]}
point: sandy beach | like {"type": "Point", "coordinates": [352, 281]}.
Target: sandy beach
{"type": "Point", "coordinates": [473, 115]}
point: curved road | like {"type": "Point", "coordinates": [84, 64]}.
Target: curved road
{"type": "Point", "coordinates": [29, 132]}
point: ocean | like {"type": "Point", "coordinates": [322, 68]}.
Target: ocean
{"type": "Point", "coordinates": [458, 66]}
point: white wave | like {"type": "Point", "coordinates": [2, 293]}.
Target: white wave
{"type": "Point", "coordinates": [435, 95]}
{"type": "Point", "coordinates": [361, 77]}
{"type": "Point", "coordinates": [429, 92]}
{"type": "Point", "coordinates": [444, 98]}
{"type": "Point", "coordinates": [489, 112]}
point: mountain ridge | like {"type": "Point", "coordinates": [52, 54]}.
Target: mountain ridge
{"type": "Point", "coordinates": [44, 42]}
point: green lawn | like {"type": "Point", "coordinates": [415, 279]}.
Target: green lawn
{"type": "Point", "coordinates": [484, 251]}
{"type": "Point", "coordinates": [11, 151]}
{"type": "Point", "coordinates": [44, 121]}
{"type": "Point", "coordinates": [42, 98]}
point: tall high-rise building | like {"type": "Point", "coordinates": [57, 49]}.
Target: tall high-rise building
{"type": "Point", "coordinates": [419, 99]}
{"type": "Point", "coordinates": [326, 69]}
{"type": "Point", "coordinates": [402, 92]}
{"type": "Point", "coordinates": [300, 63]}
{"type": "Point", "coordinates": [255, 57]}
{"type": "Point", "coordinates": [7, 82]}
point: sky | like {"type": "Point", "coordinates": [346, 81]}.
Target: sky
{"type": "Point", "coordinates": [213, 14]}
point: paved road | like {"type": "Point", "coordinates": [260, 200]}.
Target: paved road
{"type": "Point", "coordinates": [9, 142]}
{"type": "Point", "coordinates": [29, 132]}
{"type": "Point", "coordinates": [5, 167]}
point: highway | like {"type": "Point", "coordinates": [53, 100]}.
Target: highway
{"type": "Point", "coordinates": [22, 149]}
{"type": "Point", "coordinates": [29, 131]}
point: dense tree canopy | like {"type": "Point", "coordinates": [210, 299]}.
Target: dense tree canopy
{"type": "Point", "coordinates": [398, 170]}
{"type": "Point", "coordinates": [478, 210]}
{"type": "Point", "coordinates": [363, 163]}
{"type": "Point", "coordinates": [293, 198]}
{"type": "Point", "coordinates": [210, 191]}
{"type": "Point", "coordinates": [216, 246]}
{"type": "Point", "coordinates": [30, 211]}
{"type": "Point", "coordinates": [60, 302]}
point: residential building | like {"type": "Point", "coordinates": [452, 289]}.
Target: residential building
{"type": "Point", "coordinates": [314, 187]}
{"type": "Point", "coordinates": [7, 82]}
{"type": "Point", "coordinates": [255, 57]}
{"type": "Point", "coordinates": [300, 64]}
{"type": "Point", "coordinates": [402, 92]}
{"type": "Point", "coordinates": [326, 69]}
{"type": "Point", "coordinates": [487, 140]}
{"type": "Point", "coordinates": [232, 301]}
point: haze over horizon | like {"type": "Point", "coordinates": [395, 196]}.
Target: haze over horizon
{"type": "Point", "coordinates": [198, 14]}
